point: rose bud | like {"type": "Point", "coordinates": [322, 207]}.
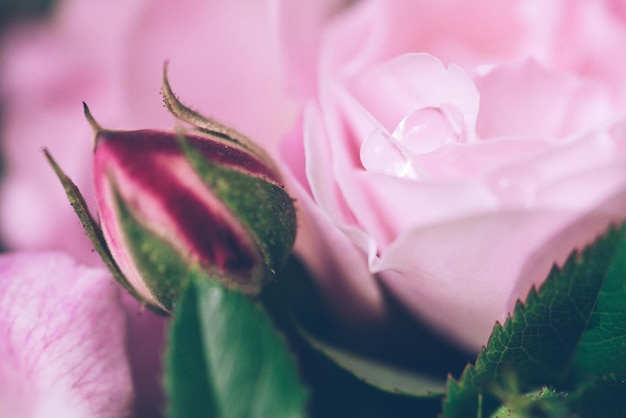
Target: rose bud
{"type": "Point", "coordinates": [172, 204]}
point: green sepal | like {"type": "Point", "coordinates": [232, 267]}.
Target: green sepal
{"type": "Point", "coordinates": [546, 402]}
{"type": "Point", "coordinates": [209, 126]}
{"type": "Point", "coordinates": [264, 208]}
{"type": "Point", "coordinates": [224, 358]}
{"type": "Point", "coordinates": [160, 265]}
{"type": "Point", "coordinates": [569, 333]}
{"type": "Point", "coordinates": [597, 397]}
{"type": "Point", "coordinates": [93, 231]}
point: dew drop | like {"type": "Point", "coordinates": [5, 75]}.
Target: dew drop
{"type": "Point", "coordinates": [380, 153]}
{"type": "Point", "coordinates": [428, 128]}
{"type": "Point", "coordinates": [517, 193]}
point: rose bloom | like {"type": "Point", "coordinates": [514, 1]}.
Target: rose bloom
{"type": "Point", "coordinates": [449, 153]}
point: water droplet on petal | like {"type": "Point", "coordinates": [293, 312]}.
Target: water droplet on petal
{"type": "Point", "coordinates": [380, 153]}
{"type": "Point", "coordinates": [428, 128]}
{"type": "Point", "coordinates": [512, 193]}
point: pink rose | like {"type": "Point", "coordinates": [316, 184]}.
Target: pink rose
{"type": "Point", "coordinates": [62, 340]}
{"type": "Point", "coordinates": [224, 61]}
{"type": "Point", "coordinates": [451, 152]}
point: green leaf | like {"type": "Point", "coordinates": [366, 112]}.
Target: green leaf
{"type": "Point", "coordinates": [599, 397]}
{"type": "Point", "coordinates": [567, 334]}
{"type": "Point", "coordinates": [376, 373]}
{"type": "Point", "coordinates": [224, 358]}
{"type": "Point", "coordinates": [602, 349]}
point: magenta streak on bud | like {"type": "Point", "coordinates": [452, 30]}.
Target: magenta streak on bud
{"type": "Point", "coordinates": [157, 182]}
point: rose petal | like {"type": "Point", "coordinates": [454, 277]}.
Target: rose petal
{"type": "Point", "coordinates": [376, 30]}
{"type": "Point", "coordinates": [525, 100]}
{"type": "Point", "coordinates": [408, 82]}
{"type": "Point", "coordinates": [62, 339]}
{"type": "Point", "coordinates": [212, 47]}
{"type": "Point", "coordinates": [430, 202]}
{"type": "Point", "coordinates": [342, 274]}
{"type": "Point", "coordinates": [298, 28]}
{"type": "Point", "coordinates": [47, 71]}
{"type": "Point", "coordinates": [588, 38]}
{"type": "Point", "coordinates": [320, 175]}
{"type": "Point", "coordinates": [461, 289]}
{"type": "Point", "coordinates": [510, 251]}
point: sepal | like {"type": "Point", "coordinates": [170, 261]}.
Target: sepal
{"type": "Point", "coordinates": [94, 232]}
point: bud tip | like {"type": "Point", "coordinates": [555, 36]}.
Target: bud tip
{"type": "Point", "coordinates": [94, 125]}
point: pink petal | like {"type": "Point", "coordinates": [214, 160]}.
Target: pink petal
{"type": "Point", "coordinates": [408, 82]}
{"type": "Point", "coordinates": [47, 71]}
{"type": "Point", "coordinates": [339, 267]}
{"type": "Point", "coordinates": [463, 276]}
{"type": "Point", "coordinates": [299, 28]}
{"type": "Point", "coordinates": [588, 38]}
{"type": "Point", "coordinates": [111, 55]}
{"type": "Point", "coordinates": [224, 62]}
{"type": "Point", "coordinates": [480, 265]}
{"type": "Point", "coordinates": [320, 165]}
{"type": "Point", "coordinates": [385, 206]}
{"type": "Point", "coordinates": [376, 30]}
{"type": "Point", "coordinates": [342, 274]}
{"type": "Point", "coordinates": [527, 100]}
{"type": "Point", "coordinates": [62, 339]}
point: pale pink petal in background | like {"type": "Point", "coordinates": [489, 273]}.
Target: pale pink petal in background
{"type": "Point", "coordinates": [62, 340]}
{"type": "Point", "coordinates": [47, 70]}
{"type": "Point", "coordinates": [298, 25]}
{"type": "Point", "coordinates": [225, 62]}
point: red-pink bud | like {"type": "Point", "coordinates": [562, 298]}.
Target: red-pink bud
{"type": "Point", "coordinates": [172, 204]}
